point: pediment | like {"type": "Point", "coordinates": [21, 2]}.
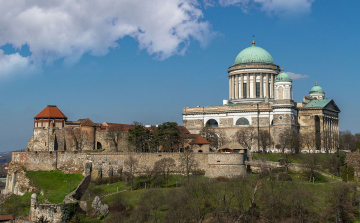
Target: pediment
{"type": "Point", "coordinates": [332, 106]}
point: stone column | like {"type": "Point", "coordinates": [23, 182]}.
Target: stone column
{"type": "Point", "coordinates": [261, 86]}
{"type": "Point", "coordinates": [272, 86]}
{"type": "Point", "coordinates": [236, 86]}
{"type": "Point", "coordinates": [267, 86]}
{"type": "Point", "coordinates": [248, 86]}
{"type": "Point", "coordinates": [233, 86]}
{"type": "Point", "coordinates": [254, 85]}
{"type": "Point", "coordinates": [229, 87]}
{"type": "Point", "coordinates": [242, 86]}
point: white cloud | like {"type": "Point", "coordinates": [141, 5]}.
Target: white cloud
{"type": "Point", "coordinates": [294, 76]}
{"type": "Point", "coordinates": [70, 28]}
{"type": "Point", "coordinates": [281, 8]}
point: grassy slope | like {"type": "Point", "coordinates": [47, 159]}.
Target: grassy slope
{"type": "Point", "coordinates": [55, 184]}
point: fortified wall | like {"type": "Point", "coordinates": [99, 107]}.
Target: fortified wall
{"type": "Point", "coordinates": [106, 164]}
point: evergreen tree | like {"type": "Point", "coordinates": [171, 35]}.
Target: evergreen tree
{"type": "Point", "coordinates": [350, 172]}
{"type": "Point", "coordinates": [168, 136]}
{"type": "Point", "coordinates": [344, 174]}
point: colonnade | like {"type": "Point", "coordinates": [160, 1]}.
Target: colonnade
{"type": "Point", "coordinates": [240, 85]}
{"type": "Point", "coordinates": [329, 131]}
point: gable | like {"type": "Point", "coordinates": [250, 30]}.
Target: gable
{"type": "Point", "coordinates": [332, 106]}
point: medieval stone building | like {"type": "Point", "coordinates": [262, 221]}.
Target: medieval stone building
{"type": "Point", "coordinates": [53, 132]}
{"type": "Point", "coordinates": [261, 97]}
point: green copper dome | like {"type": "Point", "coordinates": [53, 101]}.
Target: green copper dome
{"type": "Point", "coordinates": [253, 55]}
{"type": "Point", "coordinates": [283, 77]}
{"type": "Point", "coordinates": [317, 89]}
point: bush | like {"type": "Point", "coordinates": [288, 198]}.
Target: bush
{"type": "Point", "coordinates": [222, 179]}
{"type": "Point", "coordinates": [198, 172]}
{"type": "Point", "coordinates": [107, 180]}
{"type": "Point", "coordinates": [284, 177]}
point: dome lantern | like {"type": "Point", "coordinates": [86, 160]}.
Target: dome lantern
{"type": "Point", "coordinates": [317, 92]}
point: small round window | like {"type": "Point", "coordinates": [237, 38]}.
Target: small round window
{"type": "Point", "coordinates": [280, 117]}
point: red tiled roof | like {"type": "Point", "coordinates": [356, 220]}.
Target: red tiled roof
{"type": "Point", "coordinates": [51, 111]}
{"type": "Point", "coordinates": [200, 140]}
{"type": "Point", "coordinates": [6, 217]}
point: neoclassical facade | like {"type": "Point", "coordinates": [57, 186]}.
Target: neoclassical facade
{"type": "Point", "coordinates": [261, 97]}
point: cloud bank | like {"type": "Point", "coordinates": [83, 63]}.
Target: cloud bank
{"type": "Point", "coordinates": [68, 29]}
{"type": "Point", "coordinates": [294, 76]}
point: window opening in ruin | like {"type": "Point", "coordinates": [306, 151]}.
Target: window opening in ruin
{"type": "Point", "coordinates": [242, 121]}
{"type": "Point", "coordinates": [98, 146]}
{"type": "Point", "coordinates": [213, 123]}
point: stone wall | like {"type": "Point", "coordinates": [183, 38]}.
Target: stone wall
{"type": "Point", "coordinates": [50, 212]}
{"type": "Point", "coordinates": [108, 164]}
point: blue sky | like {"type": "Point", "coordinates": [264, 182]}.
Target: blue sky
{"type": "Point", "coordinates": [139, 60]}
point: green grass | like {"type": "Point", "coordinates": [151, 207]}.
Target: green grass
{"type": "Point", "coordinates": [273, 157]}
{"type": "Point", "coordinates": [55, 184]}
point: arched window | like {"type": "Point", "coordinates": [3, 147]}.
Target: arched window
{"type": "Point", "coordinates": [212, 122]}
{"type": "Point", "coordinates": [242, 121]}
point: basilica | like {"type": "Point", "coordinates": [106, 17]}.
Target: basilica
{"type": "Point", "coordinates": [261, 98]}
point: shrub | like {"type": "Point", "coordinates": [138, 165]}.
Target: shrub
{"type": "Point", "coordinates": [284, 177]}
{"type": "Point", "coordinates": [221, 179]}
{"type": "Point", "coordinates": [198, 172]}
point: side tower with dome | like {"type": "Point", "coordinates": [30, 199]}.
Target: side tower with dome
{"type": "Point", "coordinates": [261, 99]}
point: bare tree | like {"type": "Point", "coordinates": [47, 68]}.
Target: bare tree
{"type": "Point", "coordinates": [115, 134]}
{"type": "Point", "coordinates": [208, 133]}
{"type": "Point", "coordinates": [347, 140]}
{"type": "Point", "coordinates": [264, 140]}
{"type": "Point", "coordinates": [308, 140]}
{"type": "Point", "coordinates": [188, 163]}
{"type": "Point", "coordinates": [222, 139]}
{"type": "Point", "coordinates": [131, 163]}
{"type": "Point", "coordinates": [291, 141]}
{"type": "Point", "coordinates": [245, 137]}
{"type": "Point", "coordinates": [311, 162]}
{"type": "Point", "coordinates": [165, 166]}
{"type": "Point", "coordinates": [353, 159]}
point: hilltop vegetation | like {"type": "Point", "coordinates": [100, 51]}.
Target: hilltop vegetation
{"type": "Point", "coordinates": [51, 185]}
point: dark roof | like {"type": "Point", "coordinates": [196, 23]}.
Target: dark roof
{"type": "Point", "coordinates": [51, 111]}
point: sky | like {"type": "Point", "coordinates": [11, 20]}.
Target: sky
{"type": "Point", "coordinates": [139, 60]}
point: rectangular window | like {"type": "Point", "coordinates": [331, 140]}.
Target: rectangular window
{"type": "Point", "coordinates": [244, 90]}
{"type": "Point", "coordinates": [257, 89]}
{"type": "Point", "coordinates": [269, 90]}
